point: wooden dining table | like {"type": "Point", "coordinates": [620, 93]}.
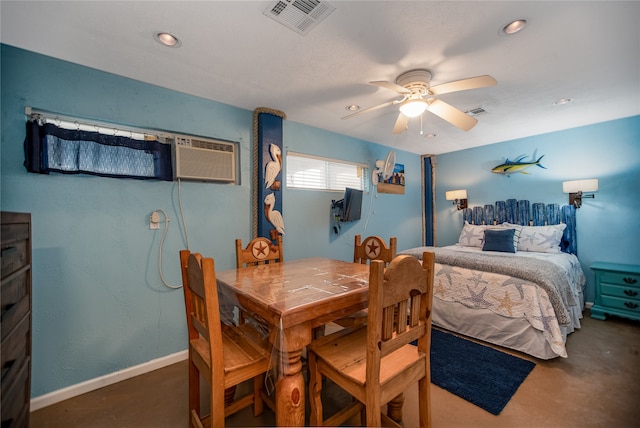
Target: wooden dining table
{"type": "Point", "coordinates": [293, 298]}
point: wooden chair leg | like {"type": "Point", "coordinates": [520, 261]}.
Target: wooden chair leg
{"type": "Point", "coordinates": [258, 403]}
{"type": "Point", "coordinates": [217, 414]}
{"type": "Point", "coordinates": [424, 398]}
{"type": "Point", "coordinates": [373, 405]}
{"type": "Point", "coordinates": [194, 390]}
{"type": "Point", "coordinates": [315, 390]}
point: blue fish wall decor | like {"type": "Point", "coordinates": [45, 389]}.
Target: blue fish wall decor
{"type": "Point", "coordinates": [510, 167]}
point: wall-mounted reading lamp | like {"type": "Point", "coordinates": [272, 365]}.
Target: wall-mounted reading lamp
{"type": "Point", "coordinates": [576, 189]}
{"type": "Point", "coordinates": [459, 198]}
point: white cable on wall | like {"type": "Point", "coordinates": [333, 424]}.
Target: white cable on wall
{"type": "Point", "coordinates": [164, 234]}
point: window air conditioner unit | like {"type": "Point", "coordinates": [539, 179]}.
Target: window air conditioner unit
{"type": "Point", "coordinates": [204, 160]}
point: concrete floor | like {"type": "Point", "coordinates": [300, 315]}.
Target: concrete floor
{"type": "Point", "coordinates": [597, 386]}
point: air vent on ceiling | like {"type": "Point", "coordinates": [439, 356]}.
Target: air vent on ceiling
{"type": "Point", "coordinates": [476, 111]}
{"type": "Point", "coordinates": [299, 15]}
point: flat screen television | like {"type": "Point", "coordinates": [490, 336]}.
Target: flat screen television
{"type": "Point", "coordinates": [352, 205]}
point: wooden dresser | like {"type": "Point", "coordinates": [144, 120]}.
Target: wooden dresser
{"type": "Point", "coordinates": [16, 319]}
{"type": "Point", "coordinates": [617, 290]}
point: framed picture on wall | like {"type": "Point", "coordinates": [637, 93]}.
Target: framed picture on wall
{"type": "Point", "coordinates": [395, 183]}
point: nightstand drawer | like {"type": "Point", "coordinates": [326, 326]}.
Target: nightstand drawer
{"type": "Point", "coordinates": [629, 293]}
{"type": "Point", "coordinates": [629, 305]}
{"type": "Point", "coordinates": [620, 278]}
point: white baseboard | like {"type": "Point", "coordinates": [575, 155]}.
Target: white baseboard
{"type": "Point", "coordinates": [108, 379]}
{"type": "Point", "coordinates": [588, 305]}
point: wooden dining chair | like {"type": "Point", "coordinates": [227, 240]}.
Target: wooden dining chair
{"type": "Point", "coordinates": [223, 355]}
{"type": "Point", "coordinates": [372, 248]}
{"type": "Point", "coordinates": [376, 362]}
{"type": "Point", "coordinates": [259, 251]}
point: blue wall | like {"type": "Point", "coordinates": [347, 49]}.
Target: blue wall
{"type": "Point", "coordinates": [98, 303]}
{"type": "Point", "coordinates": [606, 226]}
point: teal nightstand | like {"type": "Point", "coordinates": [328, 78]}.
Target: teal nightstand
{"type": "Point", "coordinates": [617, 290]}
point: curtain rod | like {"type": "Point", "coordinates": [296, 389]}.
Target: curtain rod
{"type": "Point", "coordinates": [37, 114]}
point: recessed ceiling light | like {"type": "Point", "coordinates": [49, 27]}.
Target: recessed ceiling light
{"type": "Point", "coordinates": [562, 101]}
{"type": "Point", "coordinates": [352, 107]}
{"type": "Point", "coordinates": [514, 26]}
{"type": "Point", "coordinates": [167, 39]}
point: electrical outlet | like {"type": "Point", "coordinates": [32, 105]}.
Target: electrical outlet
{"type": "Point", "coordinates": [154, 221]}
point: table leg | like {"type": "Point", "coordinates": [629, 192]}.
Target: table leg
{"type": "Point", "coordinates": [290, 391]}
{"type": "Point", "coordinates": [290, 394]}
{"type": "Point", "coordinates": [394, 408]}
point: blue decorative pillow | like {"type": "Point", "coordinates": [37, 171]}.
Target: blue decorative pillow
{"type": "Point", "coordinates": [499, 240]}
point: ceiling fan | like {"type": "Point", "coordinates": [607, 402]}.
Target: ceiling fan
{"type": "Point", "coordinates": [418, 96]}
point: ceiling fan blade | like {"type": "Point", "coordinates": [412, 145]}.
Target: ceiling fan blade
{"type": "Point", "coordinates": [463, 85]}
{"type": "Point", "coordinates": [394, 87]}
{"type": "Point", "coordinates": [401, 124]}
{"type": "Point", "coordinates": [451, 114]}
{"type": "Point", "coordinates": [366, 110]}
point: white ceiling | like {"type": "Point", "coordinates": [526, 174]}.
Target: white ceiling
{"type": "Point", "coordinates": [232, 53]}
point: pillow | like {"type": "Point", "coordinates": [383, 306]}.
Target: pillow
{"type": "Point", "coordinates": [541, 239]}
{"type": "Point", "coordinates": [471, 235]}
{"type": "Point", "coordinates": [499, 240]}
{"type": "Point", "coordinates": [517, 230]}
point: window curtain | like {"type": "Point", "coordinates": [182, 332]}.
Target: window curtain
{"type": "Point", "coordinates": [49, 148]}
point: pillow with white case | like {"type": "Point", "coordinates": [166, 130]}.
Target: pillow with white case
{"type": "Point", "coordinates": [540, 239]}
{"type": "Point", "coordinates": [471, 235]}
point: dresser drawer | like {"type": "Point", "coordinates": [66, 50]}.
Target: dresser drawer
{"type": "Point", "coordinates": [16, 348]}
{"type": "Point", "coordinates": [15, 254]}
{"type": "Point", "coordinates": [16, 398]}
{"type": "Point", "coordinates": [629, 305]}
{"type": "Point", "coordinates": [621, 278]}
{"type": "Point", "coordinates": [628, 293]}
{"type": "Point", "coordinates": [15, 300]}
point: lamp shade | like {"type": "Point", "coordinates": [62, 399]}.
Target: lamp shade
{"type": "Point", "coordinates": [452, 195]}
{"type": "Point", "coordinates": [575, 186]}
{"type": "Point", "coordinates": [413, 107]}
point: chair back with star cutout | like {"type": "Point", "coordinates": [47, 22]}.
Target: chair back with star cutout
{"type": "Point", "coordinates": [374, 248]}
{"type": "Point", "coordinates": [259, 251]}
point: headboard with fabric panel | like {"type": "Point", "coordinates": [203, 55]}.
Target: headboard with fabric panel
{"type": "Point", "coordinates": [525, 214]}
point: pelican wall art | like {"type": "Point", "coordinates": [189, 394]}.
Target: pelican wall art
{"type": "Point", "coordinates": [273, 168]}
{"type": "Point", "coordinates": [268, 164]}
{"type": "Point", "coordinates": [274, 217]}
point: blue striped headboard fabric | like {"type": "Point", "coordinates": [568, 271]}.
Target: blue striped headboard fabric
{"type": "Point", "coordinates": [526, 214]}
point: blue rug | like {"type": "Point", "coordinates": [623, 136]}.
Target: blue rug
{"type": "Point", "coordinates": [481, 375]}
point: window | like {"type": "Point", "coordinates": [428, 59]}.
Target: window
{"type": "Point", "coordinates": [316, 173]}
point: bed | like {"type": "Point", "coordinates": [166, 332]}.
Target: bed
{"type": "Point", "coordinates": [513, 278]}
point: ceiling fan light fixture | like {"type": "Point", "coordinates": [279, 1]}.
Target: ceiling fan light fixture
{"type": "Point", "coordinates": [413, 107]}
